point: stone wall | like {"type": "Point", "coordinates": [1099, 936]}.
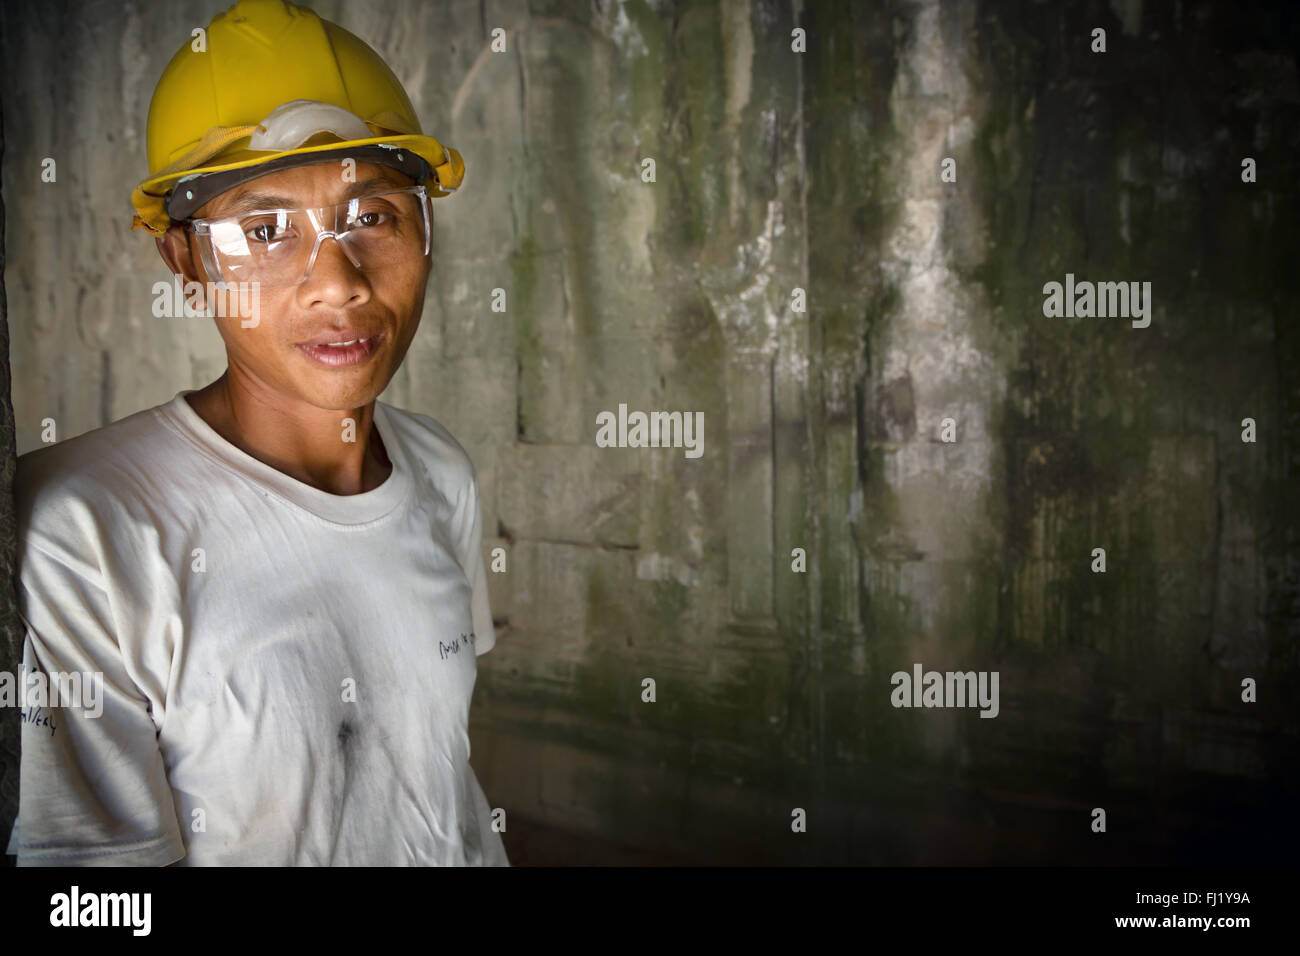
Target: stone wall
{"type": "Point", "coordinates": [824, 428]}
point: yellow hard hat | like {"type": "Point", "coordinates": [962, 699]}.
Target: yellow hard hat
{"type": "Point", "coordinates": [274, 85]}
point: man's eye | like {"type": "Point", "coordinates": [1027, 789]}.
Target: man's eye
{"type": "Point", "coordinates": [370, 219]}
{"type": "Point", "coordinates": [266, 232]}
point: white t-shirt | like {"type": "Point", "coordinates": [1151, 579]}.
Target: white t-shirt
{"type": "Point", "coordinates": [286, 673]}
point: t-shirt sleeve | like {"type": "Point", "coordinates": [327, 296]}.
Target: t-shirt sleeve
{"type": "Point", "coordinates": [93, 787]}
{"type": "Point", "coordinates": [471, 544]}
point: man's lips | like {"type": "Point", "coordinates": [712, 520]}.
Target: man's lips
{"type": "Point", "coordinates": [337, 349]}
{"type": "Point", "coordinates": [339, 337]}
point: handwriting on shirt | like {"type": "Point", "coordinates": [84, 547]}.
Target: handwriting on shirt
{"type": "Point", "coordinates": [39, 717]}
{"type": "Point", "coordinates": [454, 647]}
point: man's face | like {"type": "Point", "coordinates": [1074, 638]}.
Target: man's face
{"type": "Point", "coordinates": [336, 303]}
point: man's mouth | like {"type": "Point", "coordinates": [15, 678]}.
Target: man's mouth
{"type": "Point", "coordinates": [342, 349]}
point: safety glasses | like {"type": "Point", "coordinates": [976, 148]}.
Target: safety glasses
{"type": "Point", "coordinates": [278, 247]}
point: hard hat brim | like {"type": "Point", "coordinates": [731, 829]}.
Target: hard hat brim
{"type": "Point", "coordinates": [191, 193]}
{"type": "Point", "coordinates": [150, 197]}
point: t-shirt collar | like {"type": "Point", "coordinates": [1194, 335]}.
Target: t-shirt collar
{"type": "Point", "coordinates": [339, 509]}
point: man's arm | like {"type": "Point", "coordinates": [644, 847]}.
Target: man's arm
{"type": "Point", "coordinates": [93, 788]}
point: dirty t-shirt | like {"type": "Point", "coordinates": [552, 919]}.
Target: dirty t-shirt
{"type": "Point", "coordinates": [286, 673]}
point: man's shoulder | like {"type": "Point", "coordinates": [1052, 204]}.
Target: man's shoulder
{"type": "Point", "coordinates": [83, 478]}
{"type": "Point", "coordinates": [434, 446]}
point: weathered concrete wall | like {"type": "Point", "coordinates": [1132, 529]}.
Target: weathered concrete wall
{"type": "Point", "coordinates": [10, 625]}
{"type": "Point", "coordinates": [779, 170]}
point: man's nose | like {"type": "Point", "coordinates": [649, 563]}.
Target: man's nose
{"type": "Point", "coordinates": [322, 237]}
{"type": "Point", "coordinates": [334, 275]}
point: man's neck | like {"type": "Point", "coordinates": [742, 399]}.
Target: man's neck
{"type": "Point", "coordinates": [314, 445]}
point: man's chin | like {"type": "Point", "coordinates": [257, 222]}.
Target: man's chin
{"type": "Point", "coordinates": [340, 396]}
{"type": "Point", "coordinates": [342, 388]}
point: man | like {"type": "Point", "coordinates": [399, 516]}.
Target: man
{"type": "Point", "coordinates": [278, 577]}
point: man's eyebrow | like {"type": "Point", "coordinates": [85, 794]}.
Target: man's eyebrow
{"type": "Point", "coordinates": [249, 202]}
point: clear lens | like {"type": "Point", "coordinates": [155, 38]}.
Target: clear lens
{"type": "Point", "coordinates": [278, 247]}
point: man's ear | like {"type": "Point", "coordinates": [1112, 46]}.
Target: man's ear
{"type": "Point", "coordinates": [174, 247]}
